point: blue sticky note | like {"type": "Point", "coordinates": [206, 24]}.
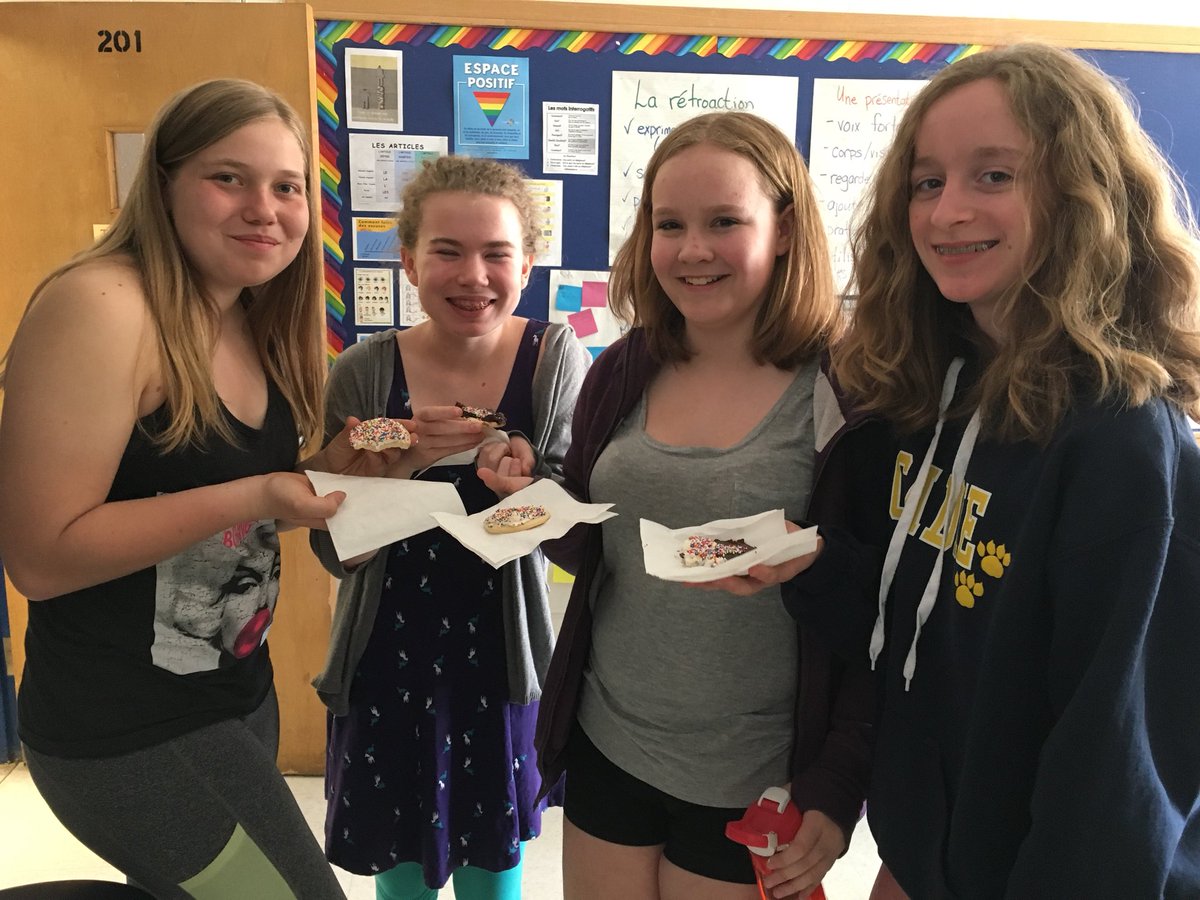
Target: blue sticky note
{"type": "Point", "coordinates": [569, 298]}
{"type": "Point", "coordinates": [596, 351]}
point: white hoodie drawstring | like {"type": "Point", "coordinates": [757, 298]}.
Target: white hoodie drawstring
{"type": "Point", "coordinates": [912, 500]}
{"type": "Point", "coordinates": [957, 475]}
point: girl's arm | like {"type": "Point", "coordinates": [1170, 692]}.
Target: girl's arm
{"type": "Point", "coordinates": [567, 552]}
{"type": "Point", "coordinates": [831, 791]}
{"type": "Point", "coordinates": [346, 399]}
{"type": "Point", "coordinates": [837, 595]}
{"type": "Point", "coordinates": [562, 366]}
{"type": "Point", "coordinates": [80, 363]}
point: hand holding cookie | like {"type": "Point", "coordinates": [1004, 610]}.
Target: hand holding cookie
{"type": "Point", "coordinates": [358, 450]}
{"type": "Point", "coordinates": [763, 576]}
{"type": "Point", "coordinates": [443, 432]}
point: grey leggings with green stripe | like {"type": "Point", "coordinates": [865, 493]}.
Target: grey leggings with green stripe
{"type": "Point", "coordinates": [205, 815]}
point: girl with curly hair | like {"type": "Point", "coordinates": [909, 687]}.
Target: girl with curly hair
{"type": "Point", "coordinates": [1026, 341]}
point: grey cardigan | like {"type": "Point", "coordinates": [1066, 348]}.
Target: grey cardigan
{"type": "Point", "coordinates": [359, 385]}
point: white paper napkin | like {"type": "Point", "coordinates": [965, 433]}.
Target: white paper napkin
{"type": "Point", "coordinates": [381, 511]}
{"type": "Point", "coordinates": [498, 549]}
{"type": "Point", "coordinates": [766, 532]}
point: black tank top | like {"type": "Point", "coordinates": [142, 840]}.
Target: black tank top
{"type": "Point", "coordinates": [163, 651]}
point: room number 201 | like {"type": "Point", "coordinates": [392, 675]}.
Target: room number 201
{"type": "Point", "coordinates": [119, 42]}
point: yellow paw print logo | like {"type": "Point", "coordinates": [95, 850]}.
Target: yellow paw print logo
{"type": "Point", "coordinates": [992, 559]}
{"type": "Point", "coordinates": [967, 589]}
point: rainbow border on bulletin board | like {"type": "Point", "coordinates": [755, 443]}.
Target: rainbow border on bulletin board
{"type": "Point", "coordinates": [329, 76]}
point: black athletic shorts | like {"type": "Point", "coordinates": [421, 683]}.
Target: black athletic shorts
{"type": "Point", "coordinates": [609, 803]}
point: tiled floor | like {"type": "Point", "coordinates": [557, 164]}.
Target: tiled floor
{"type": "Point", "coordinates": [34, 847]}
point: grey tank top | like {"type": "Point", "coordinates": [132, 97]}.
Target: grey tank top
{"type": "Point", "coordinates": [693, 691]}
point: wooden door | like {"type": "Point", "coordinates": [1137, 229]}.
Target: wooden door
{"type": "Point", "coordinates": [73, 73]}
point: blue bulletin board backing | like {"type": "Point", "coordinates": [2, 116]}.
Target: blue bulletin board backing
{"type": "Point", "coordinates": [577, 67]}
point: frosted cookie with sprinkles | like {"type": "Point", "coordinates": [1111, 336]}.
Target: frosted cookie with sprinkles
{"type": "Point", "coordinates": [515, 518]}
{"type": "Point", "coordinates": [489, 417]}
{"type": "Point", "coordinates": [380, 434]}
{"type": "Point", "coordinates": [706, 551]}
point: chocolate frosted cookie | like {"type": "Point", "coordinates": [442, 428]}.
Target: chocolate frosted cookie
{"type": "Point", "coordinates": [489, 417]}
{"type": "Point", "coordinates": [706, 551]}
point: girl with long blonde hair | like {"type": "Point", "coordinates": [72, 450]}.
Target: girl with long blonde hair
{"type": "Point", "coordinates": [157, 393]}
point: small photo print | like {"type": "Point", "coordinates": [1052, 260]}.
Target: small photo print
{"type": "Point", "coordinates": [411, 310]}
{"type": "Point", "coordinates": [373, 296]}
{"type": "Point", "coordinates": [374, 81]}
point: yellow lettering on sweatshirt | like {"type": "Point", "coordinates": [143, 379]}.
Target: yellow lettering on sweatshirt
{"type": "Point", "coordinates": [974, 509]}
{"type": "Point", "coordinates": [904, 462]}
{"type": "Point", "coordinates": [939, 534]}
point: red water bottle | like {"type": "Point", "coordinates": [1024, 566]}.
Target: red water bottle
{"type": "Point", "coordinates": [768, 825]}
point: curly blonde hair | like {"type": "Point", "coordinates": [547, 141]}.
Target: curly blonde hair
{"type": "Point", "coordinates": [802, 313]}
{"type": "Point", "coordinates": [1107, 303]}
{"type": "Point", "coordinates": [470, 175]}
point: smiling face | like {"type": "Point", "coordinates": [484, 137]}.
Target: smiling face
{"type": "Point", "coordinates": [467, 264]}
{"type": "Point", "coordinates": [240, 208]}
{"type": "Point", "coordinates": [969, 212]}
{"type": "Point", "coordinates": [716, 237]}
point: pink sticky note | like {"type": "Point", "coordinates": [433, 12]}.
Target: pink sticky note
{"type": "Point", "coordinates": [584, 323]}
{"type": "Point", "coordinates": [595, 293]}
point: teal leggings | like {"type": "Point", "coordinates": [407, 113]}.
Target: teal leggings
{"type": "Point", "coordinates": [406, 882]}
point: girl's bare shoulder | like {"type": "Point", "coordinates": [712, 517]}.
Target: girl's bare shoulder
{"type": "Point", "coordinates": [95, 308]}
{"type": "Point", "coordinates": [113, 281]}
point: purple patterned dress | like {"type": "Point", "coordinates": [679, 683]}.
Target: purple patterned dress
{"type": "Point", "coordinates": [433, 764]}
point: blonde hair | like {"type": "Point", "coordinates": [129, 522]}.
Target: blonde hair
{"type": "Point", "coordinates": [470, 175]}
{"type": "Point", "coordinates": [1106, 304]}
{"type": "Point", "coordinates": [283, 314]}
{"type": "Point", "coordinates": [801, 314]}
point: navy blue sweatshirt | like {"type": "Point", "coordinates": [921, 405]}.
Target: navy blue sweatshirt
{"type": "Point", "coordinates": [1048, 743]}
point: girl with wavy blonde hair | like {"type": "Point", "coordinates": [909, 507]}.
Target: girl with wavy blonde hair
{"type": "Point", "coordinates": [1105, 300]}
{"type": "Point", "coordinates": [1024, 541]}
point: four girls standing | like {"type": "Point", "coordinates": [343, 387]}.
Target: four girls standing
{"type": "Point", "coordinates": [1008, 514]}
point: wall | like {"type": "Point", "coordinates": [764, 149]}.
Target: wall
{"type": "Point", "coordinates": [1148, 12]}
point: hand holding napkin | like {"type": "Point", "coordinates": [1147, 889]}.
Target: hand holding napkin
{"type": "Point", "coordinates": [766, 532]}
{"type": "Point", "coordinates": [381, 511]}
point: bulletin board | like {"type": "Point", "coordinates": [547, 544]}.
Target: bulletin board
{"type": "Point", "coordinates": [615, 74]}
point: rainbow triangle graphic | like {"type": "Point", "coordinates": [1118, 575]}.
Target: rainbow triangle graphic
{"type": "Point", "coordinates": [491, 103]}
